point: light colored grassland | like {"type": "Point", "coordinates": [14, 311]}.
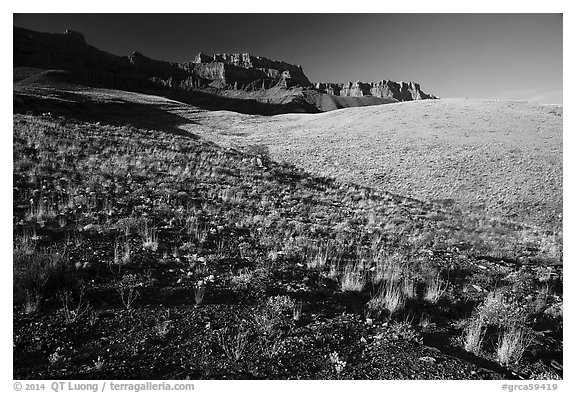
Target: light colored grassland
{"type": "Point", "coordinates": [499, 157]}
{"type": "Point", "coordinates": [503, 158]}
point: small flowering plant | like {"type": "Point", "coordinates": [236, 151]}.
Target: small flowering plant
{"type": "Point", "coordinates": [338, 363]}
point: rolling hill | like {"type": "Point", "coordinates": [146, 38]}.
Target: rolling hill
{"type": "Point", "coordinates": [418, 239]}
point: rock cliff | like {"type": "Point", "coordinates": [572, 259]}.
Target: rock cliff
{"type": "Point", "coordinates": [400, 91]}
{"type": "Point", "coordinates": [272, 86]}
{"type": "Point", "coordinates": [269, 72]}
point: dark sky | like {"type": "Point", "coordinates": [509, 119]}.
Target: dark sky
{"type": "Point", "coordinates": [501, 56]}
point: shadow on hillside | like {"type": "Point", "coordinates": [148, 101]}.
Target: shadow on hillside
{"type": "Point", "coordinates": [214, 102]}
{"type": "Point", "coordinates": [115, 113]}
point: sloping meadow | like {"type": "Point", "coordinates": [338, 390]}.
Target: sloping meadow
{"type": "Point", "coordinates": [192, 260]}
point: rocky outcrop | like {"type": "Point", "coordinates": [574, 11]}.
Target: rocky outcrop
{"type": "Point", "coordinates": [222, 71]}
{"type": "Point", "coordinates": [232, 77]}
{"type": "Point", "coordinates": [400, 91]}
{"type": "Point", "coordinates": [271, 72]}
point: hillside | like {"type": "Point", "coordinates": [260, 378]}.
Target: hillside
{"type": "Point", "coordinates": [167, 233]}
{"type": "Point", "coordinates": [502, 158]}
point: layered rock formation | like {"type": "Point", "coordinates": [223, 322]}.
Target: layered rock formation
{"type": "Point", "coordinates": [279, 72]}
{"type": "Point", "coordinates": [230, 79]}
{"type": "Point", "coordinates": [401, 91]}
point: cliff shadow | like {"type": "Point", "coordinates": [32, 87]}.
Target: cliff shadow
{"type": "Point", "coordinates": [215, 102]}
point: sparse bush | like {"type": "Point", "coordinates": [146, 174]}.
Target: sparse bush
{"type": "Point", "coordinates": [332, 272]}
{"type": "Point", "coordinates": [233, 342]}
{"type": "Point", "coordinates": [279, 304]}
{"type": "Point", "coordinates": [543, 273]}
{"type": "Point", "coordinates": [128, 225]}
{"type": "Point", "coordinates": [271, 323]}
{"type": "Point", "coordinates": [41, 212]}
{"type": "Point", "coordinates": [221, 211]}
{"type": "Point", "coordinates": [500, 309]}
{"type": "Point", "coordinates": [403, 330]}
{"type": "Point", "coordinates": [73, 313]}
{"type": "Point", "coordinates": [127, 290]}
{"type": "Point", "coordinates": [122, 255]}
{"type": "Point", "coordinates": [498, 312]}
{"type": "Point", "coordinates": [271, 315]}
{"type": "Point", "coordinates": [162, 328]}
{"type": "Point", "coordinates": [242, 280]}
{"type": "Point", "coordinates": [24, 245]}
{"type": "Point", "coordinates": [32, 303]}
{"type": "Point", "coordinates": [56, 357]}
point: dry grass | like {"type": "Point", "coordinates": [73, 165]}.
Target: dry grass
{"type": "Point", "coordinates": [319, 260]}
{"type": "Point", "coordinates": [389, 268]}
{"type": "Point", "coordinates": [353, 278]}
{"type": "Point", "coordinates": [512, 343]}
{"type": "Point", "coordinates": [435, 288]}
{"type": "Point", "coordinates": [149, 238]}
{"type": "Point", "coordinates": [504, 158]}
{"type": "Point", "coordinates": [390, 297]}
{"type": "Point", "coordinates": [473, 336]}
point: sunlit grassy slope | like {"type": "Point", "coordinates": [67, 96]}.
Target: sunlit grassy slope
{"type": "Point", "coordinates": [503, 158]}
{"type": "Point", "coordinates": [499, 157]}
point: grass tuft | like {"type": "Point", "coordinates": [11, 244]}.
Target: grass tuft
{"type": "Point", "coordinates": [512, 343]}
{"type": "Point", "coordinates": [353, 278]}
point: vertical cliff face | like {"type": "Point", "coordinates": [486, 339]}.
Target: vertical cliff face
{"type": "Point", "coordinates": [401, 91]}
{"type": "Point", "coordinates": [277, 72]}
{"type": "Point", "coordinates": [243, 70]}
